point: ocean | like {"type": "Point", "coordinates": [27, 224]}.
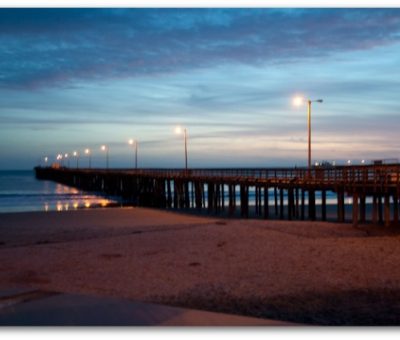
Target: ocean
{"type": "Point", "coordinates": [20, 191]}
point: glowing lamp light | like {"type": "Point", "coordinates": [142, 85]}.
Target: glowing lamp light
{"type": "Point", "coordinates": [178, 130]}
{"type": "Point", "coordinates": [298, 101]}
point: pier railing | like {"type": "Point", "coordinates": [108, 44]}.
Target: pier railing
{"type": "Point", "coordinates": [368, 175]}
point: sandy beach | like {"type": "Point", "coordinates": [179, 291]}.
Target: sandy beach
{"type": "Point", "coordinates": [307, 272]}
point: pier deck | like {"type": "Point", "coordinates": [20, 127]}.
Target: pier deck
{"type": "Point", "coordinates": [294, 189]}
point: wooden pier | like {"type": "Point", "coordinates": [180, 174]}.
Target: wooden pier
{"type": "Point", "coordinates": [284, 193]}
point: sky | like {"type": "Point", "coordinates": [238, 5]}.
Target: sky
{"type": "Point", "coordinates": [72, 79]}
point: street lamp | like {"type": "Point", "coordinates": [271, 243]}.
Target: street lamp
{"type": "Point", "coordinates": [179, 130]}
{"type": "Point", "coordinates": [106, 149]}
{"type": "Point", "coordinates": [45, 160]}
{"type": "Point", "coordinates": [66, 157]}
{"type": "Point", "coordinates": [131, 142]}
{"type": "Point", "coordinates": [59, 158]}
{"type": "Point", "coordinates": [298, 101]}
{"type": "Point", "coordinates": [87, 152]}
{"type": "Point", "coordinates": [76, 154]}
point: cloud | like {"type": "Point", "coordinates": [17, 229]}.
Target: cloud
{"type": "Point", "coordinates": [61, 47]}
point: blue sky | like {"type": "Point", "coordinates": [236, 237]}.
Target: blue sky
{"type": "Point", "coordinates": [72, 79]}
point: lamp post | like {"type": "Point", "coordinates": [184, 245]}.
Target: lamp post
{"type": "Point", "coordinates": [66, 157]}
{"type": "Point", "coordinates": [76, 154]}
{"type": "Point", "coordinates": [179, 130]}
{"type": "Point", "coordinates": [87, 152]}
{"type": "Point", "coordinates": [131, 142]}
{"type": "Point", "coordinates": [59, 158]}
{"type": "Point", "coordinates": [46, 160]}
{"type": "Point", "coordinates": [299, 101]}
{"type": "Point", "coordinates": [106, 149]}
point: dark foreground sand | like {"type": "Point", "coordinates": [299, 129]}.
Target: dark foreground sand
{"type": "Point", "coordinates": [306, 272]}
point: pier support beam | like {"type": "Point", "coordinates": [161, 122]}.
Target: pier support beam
{"type": "Point", "coordinates": [266, 203]}
{"type": "Point", "coordinates": [362, 208]}
{"type": "Point", "coordinates": [387, 210]}
{"type": "Point", "coordinates": [169, 195]}
{"type": "Point", "coordinates": [374, 209]}
{"type": "Point", "coordinates": [222, 197]}
{"type": "Point", "coordinates": [291, 207]}
{"type": "Point", "coordinates": [210, 196]}
{"type": "Point", "coordinates": [340, 206]}
{"type": "Point", "coordinates": [323, 205]}
{"type": "Point", "coordinates": [281, 213]}
{"type": "Point", "coordinates": [256, 200]}
{"type": "Point", "coordinates": [231, 199]}
{"type": "Point", "coordinates": [244, 211]}
{"type": "Point", "coordinates": [355, 209]}
{"type": "Point", "coordinates": [395, 209]}
{"type": "Point", "coordinates": [380, 209]}
{"type": "Point", "coordinates": [297, 214]}
{"type": "Point", "coordinates": [311, 205]}
{"type": "Point", "coordinates": [187, 197]}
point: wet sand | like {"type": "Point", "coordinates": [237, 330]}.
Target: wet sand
{"type": "Point", "coordinates": [306, 272]}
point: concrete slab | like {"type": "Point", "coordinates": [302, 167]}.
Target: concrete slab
{"type": "Point", "coordinates": [5, 293]}
{"type": "Point", "coordinates": [39, 308]}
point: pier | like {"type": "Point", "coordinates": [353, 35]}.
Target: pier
{"type": "Point", "coordinates": [280, 193]}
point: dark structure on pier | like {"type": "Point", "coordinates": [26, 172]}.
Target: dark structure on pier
{"type": "Point", "coordinates": [278, 193]}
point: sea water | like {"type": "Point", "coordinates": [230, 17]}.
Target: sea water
{"type": "Point", "coordinates": [20, 191]}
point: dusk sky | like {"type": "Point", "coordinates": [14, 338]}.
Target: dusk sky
{"type": "Point", "coordinates": [72, 79]}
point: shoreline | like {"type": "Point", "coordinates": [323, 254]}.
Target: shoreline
{"type": "Point", "coordinates": [331, 212]}
{"type": "Point", "coordinates": [297, 271]}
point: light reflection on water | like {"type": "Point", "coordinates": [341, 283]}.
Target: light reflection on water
{"type": "Point", "coordinates": [72, 199]}
{"type": "Point", "coordinates": [21, 192]}
{"type": "Point", "coordinates": [84, 203]}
